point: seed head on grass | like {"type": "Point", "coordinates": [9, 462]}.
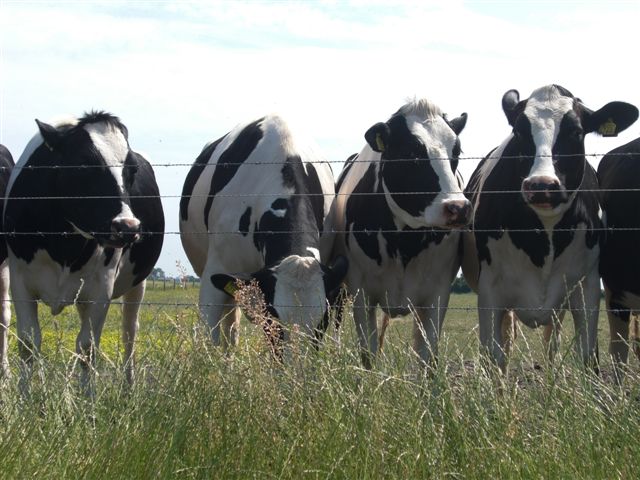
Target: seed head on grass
{"type": "Point", "coordinates": [250, 299]}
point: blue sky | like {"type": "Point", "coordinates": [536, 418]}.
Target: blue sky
{"type": "Point", "coordinates": [182, 74]}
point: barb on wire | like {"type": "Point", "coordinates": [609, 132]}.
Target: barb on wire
{"type": "Point", "coordinates": [417, 307]}
{"type": "Point", "coordinates": [418, 231]}
{"type": "Point", "coordinates": [327, 194]}
{"type": "Point", "coordinates": [281, 162]}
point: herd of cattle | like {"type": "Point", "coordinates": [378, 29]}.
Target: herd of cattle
{"type": "Point", "coordinates": [534, 230]}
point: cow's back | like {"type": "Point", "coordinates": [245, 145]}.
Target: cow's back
{"type": "Point", "coordinates": [619, 177]}
{"type": "Point", "coordinates": [6, 165]}
{"type": "Point", "coordinates": [243, 178]}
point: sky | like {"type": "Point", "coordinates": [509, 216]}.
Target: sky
{"type": "Point", "coordinates": [180, 74]}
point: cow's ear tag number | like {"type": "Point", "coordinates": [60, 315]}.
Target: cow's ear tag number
{"type": "Point", "coordinates": [231, 288]}
{"type": "Point", "coordinates": [608, 129]}
{"type": "Point", "coordinates": [379, 142]}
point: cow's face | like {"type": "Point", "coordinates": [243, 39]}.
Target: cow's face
{"type": "Point", "coordinates": [419, 152]}
{"type": "Point", "coordinates": [296, 290]}
{"type": "Point", "coordinates": [548, 142]}
{"type": "Point", "coordinates": [96, 174]}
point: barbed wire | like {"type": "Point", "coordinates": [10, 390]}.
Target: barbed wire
{"type": "Point", "coordinates": [419, 231]}
{"type": "Point", "coordinates": [355, 160]}
{"type": "Point", "coordinates": [331, 307]}
{"type": "Point", "coordinates": [323, 194]}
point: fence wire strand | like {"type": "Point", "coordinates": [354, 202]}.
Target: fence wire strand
{"type": "Point", "coordinates": [331, 307]}
{"type": "Point", "coordinates": [322, 161]}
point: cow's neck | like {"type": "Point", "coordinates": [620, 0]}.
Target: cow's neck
{"type": "Point", "coordinates": [300, 237]}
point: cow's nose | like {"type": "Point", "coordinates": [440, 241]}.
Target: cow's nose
{"type": "Point", "coordinates": [126, 229]}
{"type": "Point", "coordinates": [541, 184]}
{"type": "Point", "coordinates": [457, 212]}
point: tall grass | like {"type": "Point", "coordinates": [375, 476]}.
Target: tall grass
{"type": "Point", "coordinates": [196, 413]}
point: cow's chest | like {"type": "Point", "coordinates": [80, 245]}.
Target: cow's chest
{"type": "Point", "coordinates": [395, 281]}
{"type": "Point", "coordinates": [57, 285]}
{"type": "Point", "coordinates": [515, 278]}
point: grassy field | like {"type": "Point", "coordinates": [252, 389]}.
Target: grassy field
{"type": "Point", "coordinates": [195, 413]}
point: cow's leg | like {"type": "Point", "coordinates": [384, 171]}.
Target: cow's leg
{"type": "Point", "coordinates": [427, 328]}
{"type": "Point", "coordinates": [551, 335]}
{"type": "Point", "coordinates": [28, 330]}
{"type": "Point", "coordinates": [635, 334]}
{"type": "Point", "coordinates": [619, 337]}
{"type": "Point", "coordinates": [230, 327]}
{"type": "Point", "coordinates": [364, 316]}
{"type": "Point", "coordinates": [213, 304]}
{"type": "Point", "coordinates": [130, 309]}
{"type": "Point", "coordinates": [584, 302]}
{"type": "Point", "coordinates": [490, 329]}
{"type": "Point", "coordinates": [509, 332]}
{"type": "Point", "coordinates": [92, 316]}
{"type": "Point", "coordinates": [383, 330]}
{"type": "Point", "coordinates": [5, 317]}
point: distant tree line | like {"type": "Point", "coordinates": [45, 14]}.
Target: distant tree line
{"type": "Point", "coordinates": [460, 285]}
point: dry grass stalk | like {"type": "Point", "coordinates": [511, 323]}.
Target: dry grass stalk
{"type": "Point", "coordinates": [250, 299]}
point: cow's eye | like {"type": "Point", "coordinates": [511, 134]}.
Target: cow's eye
{"type": "Point", "coordinates": [456, 150]}
{"type": "Point", "coordinates": [577, 134]}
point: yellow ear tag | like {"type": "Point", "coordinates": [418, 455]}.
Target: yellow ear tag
{"type": "Point", "coordinates": [379, 142]}
{"type": "Point", "coordinates": [231, 288]}
{"type": "Point", "coordinates": [608, 129]}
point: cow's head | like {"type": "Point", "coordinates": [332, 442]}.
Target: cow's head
{"type": "Point", "coordinates": [95, 171]}
{"type": "Point", "coordinates": [548, 142]}
{"type": "Point", "coordinates": [297, 290]}
{"type": "Point", "coordinates": [419, 149]}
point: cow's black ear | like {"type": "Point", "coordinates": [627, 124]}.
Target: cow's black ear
{"type": "Point", "coordinates": [611, 119]}
{"type": "Point", "coordinates": [226, 283]}
{"type": "Point", "coordinates": [334, 274]}
{"type": "Point", "coordinates": [378, 137]}
{"type": "Point", "coordinates": [510, 101]}
{"type": "Point", "coordinates": [458, 123]}
{"type": "Point", "coordinates": [50, 134]}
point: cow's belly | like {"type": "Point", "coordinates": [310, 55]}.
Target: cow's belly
{"type": "Point", "coordinates": [424, 282]}
{"type": "Point", "coordinates": [57, 286]}
{"type": "Point", "coordinates": [512, 281]}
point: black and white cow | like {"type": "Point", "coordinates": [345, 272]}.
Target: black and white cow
{"type": "Point", "coordinates": [255, 206]}
{"type": "Point", "coordinates": [619, 176]}
{"type": "Point", "coordinates": [6, 165]}
{"type": "Point", "coordinates": [535, 246]}
{"type": "Point", "coordinates": [84, 225]}
{"type": "Point", "coordinates": [397, 203]}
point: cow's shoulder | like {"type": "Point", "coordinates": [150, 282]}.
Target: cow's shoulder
{"type": "Point", "coordinates": [147, 207]}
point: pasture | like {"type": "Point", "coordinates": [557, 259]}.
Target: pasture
{"type": "Point", "coordinates": [195, 413]}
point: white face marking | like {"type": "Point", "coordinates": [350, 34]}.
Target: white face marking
{"type": "Point", "coordinates": [281, 212]}
{"type": "Point", "coordinates": [299, 296]}
{"type": "Point", "coordinates": [545, 110]}
{"type": "Point", "coordinates": [315, 252]}
{"type": "Point", "coordinates": [439, 140]}
{"type": "Point", "coordinates": [113, 147]}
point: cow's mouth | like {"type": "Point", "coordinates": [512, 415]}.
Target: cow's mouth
{"type": "Point", "coordinates": [545, 200]}
{"type": "Point", "coordinates": [115, 240]}
{"type": "Point", "coordinates": [542, 205]}
{"type": "Point", "coordinates": [454, 225]}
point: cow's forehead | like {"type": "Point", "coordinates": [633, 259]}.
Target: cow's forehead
{"type": "Point", "coordinates": [433, 131]}
{"type": "Point", "coordinates": [109, 141]}
{"type": "Point", "coordinates": [547, 106]}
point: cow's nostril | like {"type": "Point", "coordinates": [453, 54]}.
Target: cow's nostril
{"type": "Point", "coordinates": [126, 228]}
{"type": "Point", "coordinates": [458, 211]}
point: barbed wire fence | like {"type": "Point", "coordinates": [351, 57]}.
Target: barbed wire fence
{"type": "Point", "coordinates": [175, 283]}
